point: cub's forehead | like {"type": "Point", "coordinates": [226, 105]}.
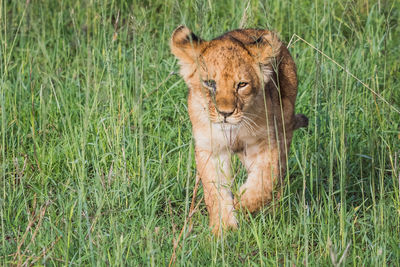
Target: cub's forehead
{"type": "Point", "coordinates": [223, 59]}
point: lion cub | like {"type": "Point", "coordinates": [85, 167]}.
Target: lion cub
{"type": "Point", "coordinates": [242, 92]}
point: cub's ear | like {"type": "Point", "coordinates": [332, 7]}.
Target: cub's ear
{"type": "Point", "coordinates": [265, 47]}
{"type": "Point", "coordinates": [185, 45]}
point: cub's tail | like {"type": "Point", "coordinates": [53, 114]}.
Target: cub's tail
{"type": "Point", "coordinates": [300, 120]}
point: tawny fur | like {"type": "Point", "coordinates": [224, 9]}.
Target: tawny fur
{"type": "Point", "coordinates": [256, 121]}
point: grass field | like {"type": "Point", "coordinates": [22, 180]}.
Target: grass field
{"type": "Point", "coordinates": [97, 162]}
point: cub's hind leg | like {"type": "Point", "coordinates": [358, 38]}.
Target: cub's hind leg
{"type": "Point", "coordinates": [214, 171]}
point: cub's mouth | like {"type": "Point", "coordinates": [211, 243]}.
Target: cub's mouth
{"type": "Point", "coordinates": [227, 120]}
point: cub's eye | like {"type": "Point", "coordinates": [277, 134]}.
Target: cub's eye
{"type": "Point", "coordinates": [210, 84]}
{"type": "Point", "coordinates": [241, 85]}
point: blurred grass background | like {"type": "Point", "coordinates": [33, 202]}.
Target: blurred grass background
{"type": "Point", "coordinates": [97, 164]}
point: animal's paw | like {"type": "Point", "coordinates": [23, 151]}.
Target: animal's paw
{"type": "Point", "coordinates": [223, 219]}
{"type": "Point", "coordinates": [252, 198]}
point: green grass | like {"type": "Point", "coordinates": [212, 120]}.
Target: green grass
{"type": "Point", "coordinates": [96, 146]}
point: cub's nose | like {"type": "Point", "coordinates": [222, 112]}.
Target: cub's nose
{"type": "Point", "coordinates": [226, 114]}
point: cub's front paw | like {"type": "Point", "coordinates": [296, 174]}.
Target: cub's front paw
{"type": "Point", "coordinates": [223, 219]}
{"type": "Point", "coordinates": [252, 198]}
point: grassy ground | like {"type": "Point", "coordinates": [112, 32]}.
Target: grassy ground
{"type": "Point", "coordinates": [97, 164]}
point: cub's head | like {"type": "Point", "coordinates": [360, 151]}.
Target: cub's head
{"type": "Point", "coordinates": [229, 72]}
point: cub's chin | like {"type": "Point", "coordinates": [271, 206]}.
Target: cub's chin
{"type": "Point", "coordinates": [228, 124]}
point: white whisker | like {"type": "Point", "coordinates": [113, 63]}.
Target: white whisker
{"type": "Point", "coordinates": [251, 121]}
{"type": "Point", "coordinates": [253, 115]}
{"type": "Point", "coordinates": [248, 126]}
